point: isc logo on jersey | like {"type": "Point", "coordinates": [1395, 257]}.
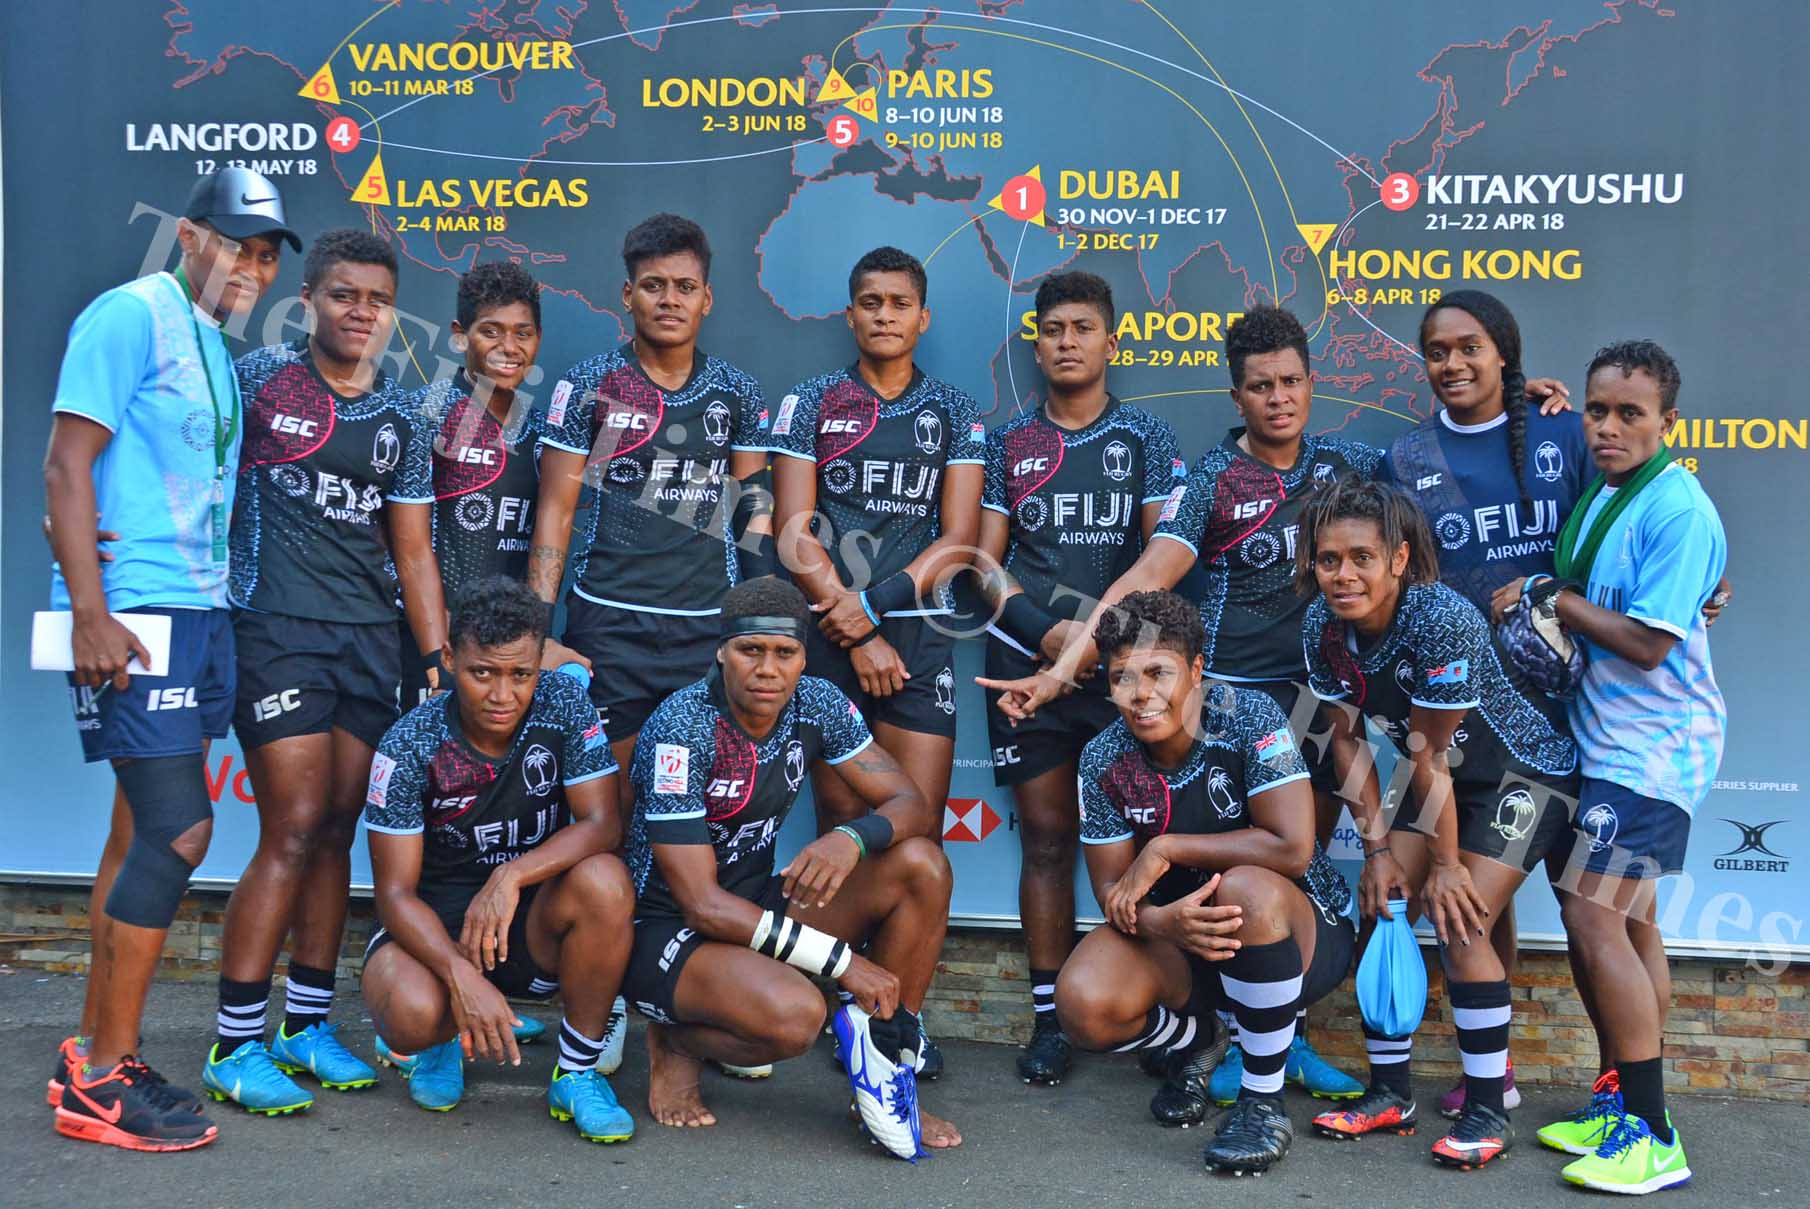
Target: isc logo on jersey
{"type": "Point", "coordinates": [293, 425]}
{"type": "Point", "coordinates": [1455, 672]}
{"type": "Point", "coordinates": [1275, 745]}
{"type": "Point", "coordinates": [634, 421]}
{"type": "Point", "coordinates": [170, 698]}
{"type": "Point", "coordinates": [1026, 466]}
{"type": "Point", "coordinates": [672, 767]}
{"type": "Point", "coordinates": [476, 457]}
{"type": "Point", "coordinates": [834, 425]}
{"type": "Point", "coordinates": [1250, 508]}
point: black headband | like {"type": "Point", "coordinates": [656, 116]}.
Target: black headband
{"type": "Point", "coordinates": [784, 627]}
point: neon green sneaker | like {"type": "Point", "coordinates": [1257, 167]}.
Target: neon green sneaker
{"type": "Point", "coordinates": [1583, 1131]}
{"type": "Point", "coordinates": [1632, 1161]}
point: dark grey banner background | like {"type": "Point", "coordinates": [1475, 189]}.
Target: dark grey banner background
{"type": "Point", "coordinates": [1714, 92]}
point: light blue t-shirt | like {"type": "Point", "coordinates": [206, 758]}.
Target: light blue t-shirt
{"type": "Point", "coordinates": [1658, 733]}
{"type": "Point", "coordinates": [133, 365]}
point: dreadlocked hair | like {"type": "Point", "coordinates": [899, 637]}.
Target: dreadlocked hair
{"type": "Point", "coordinates": [1499, 322]}
{"type": "Point", "coordinates": [1397, 517]}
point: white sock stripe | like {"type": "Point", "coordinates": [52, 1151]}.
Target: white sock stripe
{"type": "Point", "coordinates": [1401, 1045]}
{"type": "Point", "coordinates": [1492, 1065]}
{"type": "Point", "coordinates": [1388, 1059]}
{"type": "Point", "coordinates": [1262, 994]}
{"type": "Point", "coordinates": [246, 1012]}
{"type": "Point", "coordinates": [1189, 1028]}
{"type": "Point", "coordinates": [1263, 1045]}
{"type": "Point", "coordinates": [1045, 1007]}
{"type": "Point", "coordinates": [543, 986]}
{"type": "Point", "coordinates": [1265, 1085]}
{"type": "Point", "coordinates": [1048, 988]}
{"type": "Point", "coordinates": [1166, 1026]}
{"type": "Point", "coordinates": [1480, 1018]}
{"type": "Point", "coordinates": [1152, 1037]}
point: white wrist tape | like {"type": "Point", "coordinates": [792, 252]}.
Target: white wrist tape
{"type": "Point", "coordinates": [800, 945]}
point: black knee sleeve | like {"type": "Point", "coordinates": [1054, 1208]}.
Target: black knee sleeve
{"type": "Point", "coordinates": [167, 796]}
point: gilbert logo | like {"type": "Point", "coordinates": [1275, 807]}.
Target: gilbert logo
{"type": "Point", "coordinates": [1753, 839]}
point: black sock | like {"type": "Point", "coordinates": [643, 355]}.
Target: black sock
{"type": "Point", "coordinates": [1043, 997]}
{"type": "Point", "coordinates": [307, 997]}
{"type": "Point", "coordinates": [1164, 1029]}
{"type": "Point", "coordinates": [1643, 1095]}
{"type": "Point", "coordinates": [1391, 1062]}
{"type": "Point", "coordinates": [1480, 1014]}
{"type": "Point", "coordinates": [241, 1015]}
{"type": "Point", "coordinates": [1264, 984]}
{"type": "Point", "coordinates": [577, 1052]}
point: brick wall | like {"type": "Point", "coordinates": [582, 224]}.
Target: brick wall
{"type": "Point", "coordinates": [1732, 1028]}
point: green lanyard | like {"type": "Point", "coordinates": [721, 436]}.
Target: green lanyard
{"type": "Point", "coordinates": [224, 432]}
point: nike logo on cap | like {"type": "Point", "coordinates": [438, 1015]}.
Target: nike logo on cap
{"type": "Point", "coordinates": [260, 201]}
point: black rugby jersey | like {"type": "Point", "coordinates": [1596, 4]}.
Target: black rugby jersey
{"type": "Point", "coordinates": [1440, 653]}
{"type": "Point", "coordinates": [314, 474]}
{"type": "Point", "coordinates": [474, 812]}
{"type": "Point", "coordinates": [1242, 517]}
{"type": "Point", "coordinates": [485, 478]}
{"type": "Point", "coordinates": [653, 539]}
{"type": "Point", "coordinates": [701, 779]}
{"type": "Point", "coordinates": [879, 464]}
{"type": "Point", "coordinates": [1076, 499]}
{"type": "Point", "coordinates": [1244, 748]}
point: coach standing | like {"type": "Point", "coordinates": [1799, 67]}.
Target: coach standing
{"type": "Point", "coordinates": [147, 434]}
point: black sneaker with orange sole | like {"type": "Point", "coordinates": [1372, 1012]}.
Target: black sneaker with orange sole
{"type": "Point", "coordinates": [130, 1106]}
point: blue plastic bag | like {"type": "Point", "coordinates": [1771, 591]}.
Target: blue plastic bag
{"type": "Point", "coordinates": [578, 672]}
{"type": "Point", "coordinates": [1391, 977]}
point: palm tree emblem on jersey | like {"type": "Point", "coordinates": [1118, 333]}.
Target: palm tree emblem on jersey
{"type": "Point", "coordinates": [1115, 460]}
{"type": "Point", "coordinates": [1602, 824]}
{"type": "Point", "coordinates": [1219, 792]}
{"type": "Point", "coordinates": [386, 450]}
{"type": "Point", "coordinates": [537, 771]}
{"type": "Point", "coordinates": [929, 429]}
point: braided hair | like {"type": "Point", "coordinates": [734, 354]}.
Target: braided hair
{"type": "Point", "coordinates": [1499, 322]}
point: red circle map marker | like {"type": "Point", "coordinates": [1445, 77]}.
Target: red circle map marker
{"type": "Point", "coordinates": [342, 135]}
{"type": "Point", "coordinates": [1022, 197]}
{"type": "Point", "coordinates": [843, 130]}
{"type": "Point", "coordinates": [1399, 190]}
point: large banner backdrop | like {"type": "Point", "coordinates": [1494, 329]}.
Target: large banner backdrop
{"type": "Point", "coordinates": [1631, 168]}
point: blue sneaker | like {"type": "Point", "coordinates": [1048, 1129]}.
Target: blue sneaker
{"type": "Point", "coordinates": [316, 1050]}
{"type": "Point", "coordinates": [249, 1078]}
{"type": "Point", "coordinates": [586, 1099]}
{"type": "Point", "coordinates": [437, 1082]}
{"type": "Point", "coordinates": [1227, 1078]}
{"type": "Point", "coordinates": [528, 1031]}
{"type": "Point", "coordinates": [402, 1064]}
{"type": "Point", "coordinates": [1319, 1076]}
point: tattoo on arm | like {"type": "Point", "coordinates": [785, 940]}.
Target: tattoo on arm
{"type": "Point", "coordinates": [546, 567]}
{"type": "Point", "coordinates": [876, 761]}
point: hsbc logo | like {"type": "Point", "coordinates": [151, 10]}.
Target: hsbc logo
{"type": "Point", "coordinates": [968, 820]}
{"type": "Point", "coordinates": [474, 456]}
{"type": "Point", "coordinates": [171, 698]}
{"type": "Point", "coordinates": [276, 704]}
{"type": "Point", "coordinates": [1026, 466]}
{"type": "Point", "coordinates": [1251, 508]}
{"type": "Point", "coordinates": [293, 425]}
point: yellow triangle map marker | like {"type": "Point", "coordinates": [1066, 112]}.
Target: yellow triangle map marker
{"type": "Point", "coordinates": [1023, 197]}
{"type": "Point", "coordinates": [835, 88]}
{"type": "Point", "coordinates": [865, 103]}
{"type": "Point", "coordinates": [373, 187]}
{"type": "Point", "coordinates": [1316, 233]}
{"type": "Point", "coordinates": [321, 87]}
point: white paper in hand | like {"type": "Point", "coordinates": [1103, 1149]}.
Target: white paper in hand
{"type": "Point", "coordinates": [52, 636]}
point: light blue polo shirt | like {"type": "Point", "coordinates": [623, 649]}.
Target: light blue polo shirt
{"type": "Point", "coordinates": [1658, 733]}
{"type": "Point", "coordinates": [133, 366]}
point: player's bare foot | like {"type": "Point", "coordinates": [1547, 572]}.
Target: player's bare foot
{"type": "Point", "coordinates": [673, 1096]}
{"type": "Point", "coordinates": [937, 1133]}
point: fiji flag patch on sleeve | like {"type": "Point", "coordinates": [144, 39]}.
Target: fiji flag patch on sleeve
{"type": "Point", "coordinates": [594, 736]}
{"type": "Point", "coordinates": [1455, 672]}
{"type": "Point", "coordinates": [1275, 745]}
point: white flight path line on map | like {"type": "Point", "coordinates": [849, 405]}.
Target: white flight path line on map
{"type": "Point", "coordinates": [1055, 29]}
{"type": "Point", "coordinates": [516, 159]}
{"type": "Point", "coordinates": [1024, 228]}
{"type": "Point", "coordinates": [1379, 331]}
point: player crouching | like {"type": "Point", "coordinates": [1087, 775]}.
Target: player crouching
{"type": "Point", "coordinates": [492, 811]}
{"type": "Point", "coordinates": [1198, 819]}
{"type": "Point", "coordinates": [725, 949]}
